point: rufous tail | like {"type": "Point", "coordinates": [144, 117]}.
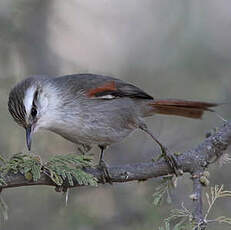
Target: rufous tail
{"type": "Point", "coordinates": [184, 108]}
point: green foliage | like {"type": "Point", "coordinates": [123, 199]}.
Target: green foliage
{"type": "Point", "coordinates": [162, 192]}
{"type": "Point", "coordinates": [58, 168]}
{"type": "Point", "coordinates": [215, 193]}
{"type": "Point", "coordinates": [165, 227]}
{"type": "Point", "coordinates": [28, 165]}
{"type": "Point", "coordinates": [62, 167]}
{"type": "Point", "coordinates": [184, 218]}
{"type": "Point", "coordinates": [179, 226]}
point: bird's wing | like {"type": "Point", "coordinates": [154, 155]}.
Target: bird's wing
{"type": "Point", "coordinates": [102, 87]}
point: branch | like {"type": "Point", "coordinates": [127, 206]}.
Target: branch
{"type": "Point", "coordinates": [190, 161]}
{"type": "Point", "coordinates": [197, 202]}
{"type": "Point", "coordinates": [193, 161]}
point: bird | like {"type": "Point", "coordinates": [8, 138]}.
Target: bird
{"type": "Point", "coordinates": [90, 109]}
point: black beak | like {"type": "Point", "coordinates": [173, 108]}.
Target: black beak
{"type": "Point", "coordinates": [28, 137]}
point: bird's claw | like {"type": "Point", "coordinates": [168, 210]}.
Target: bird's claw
{"type": "Point", "coordinates": [106, 175]}
{"type": "Point", "coordinates": [171, 160]}
{"type": "Point", "coordinates": [61, 188]}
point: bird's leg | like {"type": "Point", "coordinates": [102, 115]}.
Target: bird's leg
{"type": "Point", "coordinates": [103, 166]}
{"type": "Point", "coordinates": [169, 158]}
{"type": "Point", "coordinates": [83, 148]}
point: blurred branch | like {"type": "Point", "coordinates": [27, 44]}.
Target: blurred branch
{"type": "Point", "coordinates": [193, 161]}
{"type": "Point", "coordinates": [198, 203]}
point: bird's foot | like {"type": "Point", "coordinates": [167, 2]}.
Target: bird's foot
{"type": "Point", "coordinates": [170, 159]}
{"type": "Point", "coordinates": [61, 188]}
{"type": "Point", "coordinates": [106, 175]}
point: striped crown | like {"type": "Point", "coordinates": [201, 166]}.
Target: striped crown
{"type": "Point", "coordinates": [16, 105]}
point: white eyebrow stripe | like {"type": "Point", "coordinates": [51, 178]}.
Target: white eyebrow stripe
{"type": "Point", "coordinates": [108, 96]}
{"type": "Point", "coordinates": [28, 99]}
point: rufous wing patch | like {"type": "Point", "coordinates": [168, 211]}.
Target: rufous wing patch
{"type": "Point", "coordinates": [107, 87]}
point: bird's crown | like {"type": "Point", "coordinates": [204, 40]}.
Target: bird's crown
{"type": "Point", "coordinates": [22, 100]}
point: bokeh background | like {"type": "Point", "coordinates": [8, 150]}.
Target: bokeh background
{"type": "Point", "coordinates": [172, 49]}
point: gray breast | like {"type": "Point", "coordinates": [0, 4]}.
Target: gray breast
{"type": "Point", "coordinates": [97, 122]}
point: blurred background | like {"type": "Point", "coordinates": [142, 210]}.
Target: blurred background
{"type": "Point", "coordinates": [171, 49]}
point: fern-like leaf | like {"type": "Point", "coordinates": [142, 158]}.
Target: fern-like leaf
{"type": "Point", "coordinates": [68, 167]}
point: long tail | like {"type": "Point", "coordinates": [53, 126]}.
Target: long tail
{"type": "Point", "coordinates": [190, 109]}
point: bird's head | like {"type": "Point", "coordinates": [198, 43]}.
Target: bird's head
{"type": "Point", "coordinates": [27, 104]}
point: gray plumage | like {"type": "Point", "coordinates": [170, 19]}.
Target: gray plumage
{"type": "Point", "coordinates": [75, 116]}
{"type": "Point", "coordinates": [89, 109]}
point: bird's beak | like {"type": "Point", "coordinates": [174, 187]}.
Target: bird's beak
{"type": "Point", "coordinates": [28, 137]}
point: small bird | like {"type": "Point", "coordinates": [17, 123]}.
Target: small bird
{"type": "Point", "coordinates": [90, 109]}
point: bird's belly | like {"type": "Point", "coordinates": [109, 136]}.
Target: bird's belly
{"type": "Point", "coordinates": [94, 135]}
{"type": "Point", "coordinates": [101, 123]}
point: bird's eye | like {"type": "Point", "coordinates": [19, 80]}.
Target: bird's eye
{"type": "Point", "coordinates": [33, 112]}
